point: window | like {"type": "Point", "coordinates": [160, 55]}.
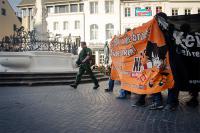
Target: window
{"type": "Point", "coordinates": [50, 9]}
{"type": "Point", "coordinates": [187, 11]}
{"type": "Point", "coordinates": [101, 59]}
{"type": "Point", "coordinates": [14, 27]}
{"type": "Point", "coordinates": [109, 31]}
{"type": "Point", "coordinates": [55, 26]}
{"type": "Point", "coordinates": [30, 12]}
{"type": "Point", "coordinates": [61, 9]}
{"type": "Point", "coordinates": [81, 7]}
{"type": "Point", "coordinates": [148, 8]}
{"type": "Point", "coordinates": [74, 8]}
{"type": "Point", "coordinates": [174, 12]}
{"type": "Point", "coordinates": [24, 13]}
{"type": "Point", "coordinates": [77, 25]}
{"type": "Point", "coordinates": [158, 9]}
{"type": "Point", "coordinates": [65, 25]}
{"type": "Point", "coordinates": [93, 7]}
{"type": "Point", "coordinates": [127, 12]}
{"type": "Point", "coordinates": [109, 6]}
{"type": "Point", "coordinates": [93, 32]}
{"type": "Point", "coordinates": [198, 10]}
{"type": "Point", "coordinates": [3, 11]}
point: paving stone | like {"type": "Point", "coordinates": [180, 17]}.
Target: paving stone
{"type": "Point", "coordinates": [62, 109]}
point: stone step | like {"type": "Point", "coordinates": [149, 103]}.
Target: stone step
{"type": "Point", "coordinates": [48, 82]}
{"type": "Point", "coordinates": [43, 77]}
{"type": "Point", "coordinates": [19, 79]}
{"type": "Point", "coordinates": [19, 74]}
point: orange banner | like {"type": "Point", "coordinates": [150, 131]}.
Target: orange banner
{"type": "Point", "coordinates": [140, 60]}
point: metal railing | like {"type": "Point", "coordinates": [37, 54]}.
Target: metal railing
{"type": "Point", "coordinates": [27, 41]}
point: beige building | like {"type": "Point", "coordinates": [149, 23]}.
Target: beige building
{"type": "Point", "coordinates": [8, 20]}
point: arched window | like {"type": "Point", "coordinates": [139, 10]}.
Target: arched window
{"type": "Point", "coordinates": [93, 32]}
{"type": "Point", "coordinates": [109, 31]}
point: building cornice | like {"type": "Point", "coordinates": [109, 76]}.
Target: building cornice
{"type": "Point", "coordinates": [143, 1]}
{"type": "Point", "coordinates": [25, 3]}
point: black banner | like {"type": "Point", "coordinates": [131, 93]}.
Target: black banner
{"type": "Point", "coordinates": [182, 34]}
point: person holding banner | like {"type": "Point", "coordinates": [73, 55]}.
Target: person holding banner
{"type": "Point", "coordinates": [122, 93]}
{"type": "Point", "coordinates": [179, 41]}
{"type": "Point", "coordinates": [172, 100]}
{"type": "Point", "coordinates": [193, 102]}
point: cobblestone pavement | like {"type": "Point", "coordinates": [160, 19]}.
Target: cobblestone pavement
{"type": "Point", "coordinates": [61, 109]}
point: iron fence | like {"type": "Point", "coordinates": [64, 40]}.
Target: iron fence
{"type": "Point", "coordinates": [28, 41]}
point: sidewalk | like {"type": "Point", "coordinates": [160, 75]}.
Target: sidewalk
{"type": "Point", "coordinates": [61, 109]}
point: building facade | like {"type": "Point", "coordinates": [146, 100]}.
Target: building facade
{"type": "Point", "coordinates": [102, 21]}
{"type": "Point", "coordinates": [136, 12]}
{"type": "Point", "coordinates": [96, 21]}
{"type": "Point", "coordinates": [8, 20]}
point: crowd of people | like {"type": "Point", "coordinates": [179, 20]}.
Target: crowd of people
{"type": "Point", "coordinates": [157, 100]}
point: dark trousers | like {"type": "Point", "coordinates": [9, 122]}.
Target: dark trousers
{"type": "Point", "coordinates": [82, 69]}
{"type": "Point", "coordinates": [157, 98]}
{"type": "Point", "coordinates": [111, 84]}
{"type": "Point", "coordinates": [172, 98]}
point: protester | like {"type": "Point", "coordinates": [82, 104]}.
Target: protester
{"type": "Point", "coordinates": [123, 94]}
{"type": "Point", "coordinates": [193, 102]}
{"type": "Point", "coordinates": [181, 74]}
{"type": "Point", "coordinates": [110, 85]}
{"type": "Point", "coordinates": [84, 65]}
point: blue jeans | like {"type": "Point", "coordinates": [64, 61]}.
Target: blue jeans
{"type": "Point", "coordinates": [124, 93]}
{"type": "Point", "coordinates": [111, 84]}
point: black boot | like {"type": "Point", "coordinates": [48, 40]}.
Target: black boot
{"type": "Point", "coordinates": [140, 101]}
{"type": "Point", "coordinates": [96, 86]}
{"type": "Point", "coordinates": [74, 86]}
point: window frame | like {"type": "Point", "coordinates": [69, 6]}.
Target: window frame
{"type": "Point", "coordinates": [187, 11]}
{"type": "Point", "coordinates": [65, 25]}
{"type": "Point", "coordinates": [158, 9]}
{"type": "Point", "coordinates": [55, 26]}
{"type": "Point", "coordinates": [3, 12]}
{"type": "Point", "coordinates": [94, 7]}
{"type": "Point", "coordinates": [109, 29]}
{"type": "Point", "coordinates": [81, 9]}
{"type": "Point", "coordinates": [127, 12]}
{"type": "Point", "coordinates": [77, 24]}
{"type": "Point", "coordinates": [77, 8]}
{"type": "Point", "coordinates": [174, 11]}
{"type": "Point", "coordinates": [109, 6]}
{"type": "Point", "coordinates": [94, 32]}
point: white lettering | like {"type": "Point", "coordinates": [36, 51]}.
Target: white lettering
{"type": "Point", "coordinates": [189, 41]}
{"type": "Point", "coordinates": [178, 36]}
{"type": "Point", "coordinates": [197, 38]}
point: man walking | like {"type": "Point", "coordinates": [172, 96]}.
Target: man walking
{"type": "Point", "coordinates": [84, 65]}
